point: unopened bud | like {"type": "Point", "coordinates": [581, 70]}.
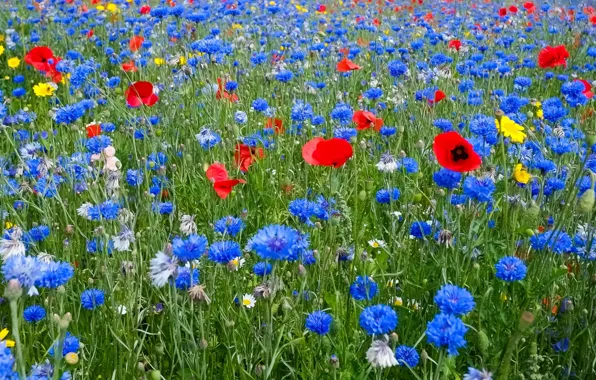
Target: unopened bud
{"type": "Point", "coordinates": [13, 290]}
{"type": "Point", "coordinates": [203, 344]}
{"type": "Point", "coordinates": [155, 375]}
{"type": "Point", "coordinates": [525, 321]}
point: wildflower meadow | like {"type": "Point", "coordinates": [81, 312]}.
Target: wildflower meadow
{"type": "Point", "coordinates": [297, 189]}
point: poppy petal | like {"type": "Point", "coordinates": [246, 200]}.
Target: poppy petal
{"type": "Point", "coordinates": [224, 188]}
{"type": "Point", "coordinates": [308, 150]}
{"type": "Point", "coordinates": [216, 173]}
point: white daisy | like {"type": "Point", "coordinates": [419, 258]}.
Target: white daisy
{"type": "Point", "coordinates": [248, 301]}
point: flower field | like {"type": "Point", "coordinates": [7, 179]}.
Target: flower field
{"type": "Point", "coordinates": [297, 189]}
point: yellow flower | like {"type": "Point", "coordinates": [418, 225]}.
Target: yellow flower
{"type": "Point", "coordinates": [539, 112]}
{"type": "Point", "coordinates": [503, 297]}
{"type": "Point", "coordinates": [1, 49]}
{"type": "Point", "coordinates": [72, 358]}
{"type": "Point", "coordinates": [511, 129]}
{"type": "Point", "coordinates": [100, 8]}
{"type": "Point", "coordinates": [8, 225]}
{"type": "Point", "coordinates": [3, 334]}
{"type": "Point", "coordinates": [14, 62]}
{"type": "Point", "coordinates": [182, 60]}
{"type": "Point", "coordinates": [159, 61]}
{"type": "Point", "coordinates": [113, 8]}
{"type": "Point", "coordinates": [520, 174]}
{"type": "Point", "coordinates": [236, 26]}
{"type": "Point", "coordinates": [43, 89]}
{"type": "Point", "coordinates": [397, 301]}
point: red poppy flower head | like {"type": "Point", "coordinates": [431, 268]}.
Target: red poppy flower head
{"type": "Point", "coordinates": [503, 12]}
{"type": "Point", "coordinates": [245, 156]}
{"type": "Point", "coordinates": [333, 152]}
{"type": "Point", "coordinates": [93, 130]}
{"type": "Point", "coordinates": [345, 65]}
{"type": "Point", "coordinates": [454, 44]}
{"type": "Point", "coordinates": [513, 9]}
{"type": "Point", "coordinates": [439, 95]}
{"type": "Point", "coordinates": [553, 56]}
{"type": "Point", "coordinates": [321, 8]}
{"type": "Point", "coordinates": [365, 120]}
{"type": "Point", "coordinates": [276, 124]}
{"type": "Point", "coordinates": [40, 57]}
{"type": "Point", "coordinates": [218, 175]}
{"type": "Point", "coordinates": [145, 9]}
{"type": "Point", "coordinates": [587, 88]}
{"type": "Point", "coordinates": [129, 67]}
{"type": "Point", "coordinates": [528, 5]}
{"type": "Point", "coordinates": [135, 43]}
{"type": "Point", "coordinates": [140, 93]}
{"type": "Point", "coordinates": [455, 153]}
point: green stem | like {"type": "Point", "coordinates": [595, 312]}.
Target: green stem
{"type": "Point", "coordinates": [58, 354]}
{"type": "Point", "coordinates": [15, 331]}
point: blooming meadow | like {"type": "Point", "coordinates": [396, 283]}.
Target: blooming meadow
{"type": "Point", "coordinates": [297, 189]}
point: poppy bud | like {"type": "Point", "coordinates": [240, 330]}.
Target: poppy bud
{"type": "Point", "coordinates": [525, 321]}
{"type": "Point", "coordinates": [159, 349]}
{"type": "Point", "coordinates": [533, 210]}
{"type": "Point", "coordinates": [529, 232]}
{"type": "Point", "coordinates": [69, 230]}
{"type": "Point", "coordinates": [590, 139]}
{"type": "Point", "coordinates": [259, 370]}
{"type": "Point", "coordinates": [362, 195]}
{"type": "Point", "coordinates": [417, 198]}
{"type": "Point", "coordinates": [301, 270]}
{"type": "Point", "coordinates": [483, 343]}
{"type": "Point", "coordinates": [586, 201]}
{"type": "Point", "coordinates": [155, 375]}
{"type": "Point", "coordinates": [13, 290]}
{"type": "Point", "coordinates": [203, 344]}
{"type": "Point", "coordinates": [423, 356]}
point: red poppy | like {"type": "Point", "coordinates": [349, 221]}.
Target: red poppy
{"type": "Point", "coordinates": [135, 43]}
{"type": "Point", "coordinates": [129, 67]}
{"type": "Point", "coordinates": [90, 33]}
{"type": "Point", "coordinates": [587, 88]}
{"type": "Point", "coordinates": [553, 56]}
{"type": "Point", "coordinates": [455, 153]}
{"type": "Point", "coordinates": [93, 130]}
{"type": "Point", "coordinates": [376, 22]}
{"type": "Point", "coordinates": [528, 5]}
{"type": "Point", "coordinates": [145, 9]}
{"type": "Point", "coordinates": [439, 95]}
{"type": "Point", "coordinates": [503, 12]}
{"type": "Point", "coordinates": [333, 152]}
{"type": "Point", "coordinates": [223, 94]}
{"type": "Point", "coordinates": [140, 93]}
{"type": "Point", "coordinates": [513, 9]}
{"type": "Point", "coordinates": [276, 124]}
{"type": "Point", "coordinates": [41, 57]}
{"type": "Point", "coordinates": [346, 65]}
{"type": "Point", "coordinates": [366, 119]}
{"type": "Point", "coordinates": [593, 20]}
{"type": "Point", "coordinates": [218, 175]}
{"type": "Point", "coordinates": [321, 8]}
{"type": "Point", "coordinates": [454, 44]}
{"type": "Point", "coordinates": [244, 156]}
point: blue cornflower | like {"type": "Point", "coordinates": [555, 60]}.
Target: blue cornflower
{"type": "Point", "coordinates": [562, 345]}
{"type": "Point", "coordinates": [557, 241]}
{"type": "Point", "coordinates": [156, 160]}
{"type": "Point", "coordinates": [34, 314]}
{"type": "Point", "coordinates": [406, 355]}
{"type": "Point", "coordinates": [231, 86]}
{"type": "Point", "coordinates": [229, 225]}
{"type": "Point", "coordinates": [408, 164]}
{"type": "Point", "coordinates": [69, 114]}
{"type": "Point", "coordinates": [284, 76]}
{"type": "Point", "coordinates": [474, 374]}
{"type": "Point", "coordinates": [25, 269]}
{"type": "Point", "coordinates": [274, 242]}
{"type": "Point", "coordinates": [164, 208]}
{"type": "Point", "coordinates": [301, 111]}
{"type": "Point", "coordinates": [208, 138]}
{"type": "Point", "coordinates": [363, 288]}
{"type": "Point", "coordinates": [319, 322]}
{"type": "Point", "coordinates": [223, 252]}
{"type": "Point", "coordinates": [345, 133]}
{"type": "Point", "coordinates": [387, 131]}
{"type": "Point", "coordinates": [465, 85]}
{"type": "Point", "coordinates": [378, 319]}
{"type": "Point", "coordinates": [373, 93]}
{"type": "Point", "coordinates": [454, 300]}
{"type": "Point", "coordinates": [484, 126]}
{"type": "Point", "coordinates": [511, 268]}
{"type": "Point", "coordinates": [512, 103]}
{"type": "Point", "coordinates": [240, 117]}
{"type": "Point", "coordinates": [262, 268]}
{"type": "Point", "coordinates": [92, 298]}
{"type": "Point", "coordinates": [184, 279]}
{"type": "Point", "coordinates": [97, 144]}
{"type": "Point", "coordinates": [553, 110]}
{"type": "Point", "coordinates": [260, 105]}
{"type": "Point", "coordinates": [55, 274]}
{"type": "Point", "coordinates": [397, 68]}
{"type": "Point", "coordinates": [7, 363]}
{"type": "Point", "coordinates": [420, 229]}
{"type": "Point", "coordinates": [446, 330]}
{"type": "Point", "coordinates": [134, 177]}
{"type": "Point", "coordinates": [479, 189]}
{"type": "Point", "coordinates": [303, 209]}
{"type": "Point", "coordinates": [342, 113]}
{"type": "Point", "coordinates": [447, 178]}
{"type": "Point", "coordinates": [39, 233]}
{"type": "Point", "coordinates": [71, 345]}
{"type": "Point", "coordinates": [189, 249]}
{"type": "Point", "coordinates": [386, 196]}
{"type": "Point", "coordinates": [443, 124]}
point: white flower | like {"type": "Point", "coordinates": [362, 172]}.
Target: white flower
{"type": "Point", "coordinates": [381, 355]}
{"type": "Point", "coordinates": [377, 243]}
{"type": "Point", "coordinates": [248, 301]}
{"type": "Point", "coordinates": [123, 240]}
{"type": "Point", "coordinates": [162, 267]}
{"type": "Point", "coordinates": [84, 210]}
{"type": "Point", "coordinates": [387, 163]}
{"type": "Point", "coordinates": [121, 309]}
{"type": "Point", "coordinates": [188, 225]}
{"type": "Point", "coordinates": [13, 246]}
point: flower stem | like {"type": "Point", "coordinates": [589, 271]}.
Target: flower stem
{"type": "Point", "coordinates": [15, 331]}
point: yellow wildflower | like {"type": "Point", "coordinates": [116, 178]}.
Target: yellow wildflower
{"type": "Point", "coordinates": [539, 112]}
{"type": "Point", "coordinates": [3, 334]}
{"type": "Point", "coordinates": [14, 62]}
{"type": "Point", "coordinates": [1, 49]}
{"type": "Point", "coordinates": [511, 129]}
{"type": "Point", "coordinates": [236, 26]}
{"type": "Point", "coordinates": [182, 60]}
{"type": "Point", "coordinates": [44, 89]}
{"type": "Point", "coordinates": [159, 61]}
{"type": "Point", "coordinates": [503, 297]}
{"type": "Point", "coordinates": [521, 175]}
{"type": "Point", "coordinates": [8, 225]}
{"type": "Point", "coordinates": [100, 8]}
{"type": "Point", "coordinates": [72, 358]}
{"type": "Point", "coordinates": [397, 301]}
{"type": "Point", "coordinates": [113, 8]}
